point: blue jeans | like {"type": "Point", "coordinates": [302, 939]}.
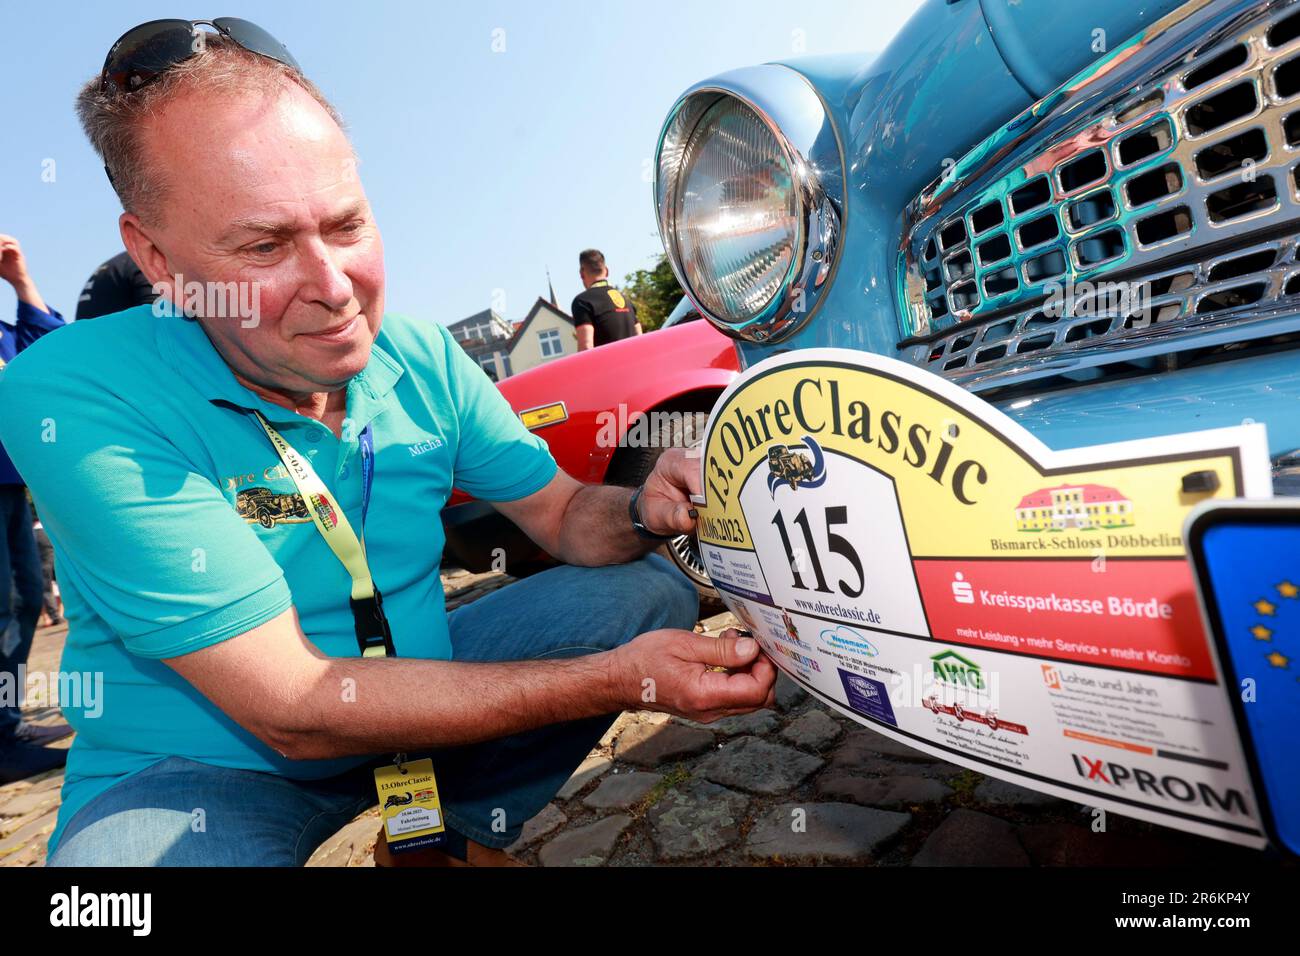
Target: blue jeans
{"type": "Point", "coordinates": [22, 592]}
{"type": "Point", "coordinates": [488, 790]}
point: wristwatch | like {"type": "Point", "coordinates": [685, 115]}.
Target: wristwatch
{"type": "Point", "coordinates": [634, 512]}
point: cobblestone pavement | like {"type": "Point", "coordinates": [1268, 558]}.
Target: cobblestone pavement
{"type": "Point", "coordinates": [798, 784]}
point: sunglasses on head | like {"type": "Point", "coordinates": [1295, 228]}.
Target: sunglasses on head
{"type": "Point", "coordinates": [144, 53]}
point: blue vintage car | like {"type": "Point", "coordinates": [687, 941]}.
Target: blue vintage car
{"type": "Point", "coordinates": [1085, 212]}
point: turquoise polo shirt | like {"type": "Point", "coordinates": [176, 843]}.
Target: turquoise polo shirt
{"type": "Point", "coordinates": [175, 526]}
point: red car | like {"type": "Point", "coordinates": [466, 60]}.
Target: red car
{"type": "Point", "coordinates": [607, 414]}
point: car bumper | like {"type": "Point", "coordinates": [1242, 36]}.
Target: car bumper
{"type": "Point", "coordinates": [1262, 388]}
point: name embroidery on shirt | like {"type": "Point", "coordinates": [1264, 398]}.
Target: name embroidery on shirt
{"type": "Point", "coordinates": [419, 448]}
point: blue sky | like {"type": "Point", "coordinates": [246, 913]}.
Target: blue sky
{"type": "Point", "coordinates": [483, 167]}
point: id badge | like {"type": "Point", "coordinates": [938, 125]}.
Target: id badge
{"type": "Point", "coordinates": [409, 805]}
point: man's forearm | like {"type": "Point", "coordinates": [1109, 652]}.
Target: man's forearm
{"type": "Point", "coordinates": [344, 706]}
{"type": "Point", "coordinates": [597, 529]}
{"type": "Point", "coordinates": [27, 292]}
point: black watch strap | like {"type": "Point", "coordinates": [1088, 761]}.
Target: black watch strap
{"type": "Point", "coordinates": [634, 512]}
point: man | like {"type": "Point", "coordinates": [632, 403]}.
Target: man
{"type": "Point", "coordinates": [206, 491]}
{"type": "Point", "coordinates": [51, 606]}
{"type": "Point", "coordinates": [115, 285]}
{"type": "Point", "coordinates": [600, 312]}
{"type": "Point", "coordinates": [22, 750]}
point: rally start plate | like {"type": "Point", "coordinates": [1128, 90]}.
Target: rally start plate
{"type": "Point", "coordinates": [916, 559]}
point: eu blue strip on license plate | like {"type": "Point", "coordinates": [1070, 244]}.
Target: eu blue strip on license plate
{"type": "Point", "coordinates": [1247, 558]}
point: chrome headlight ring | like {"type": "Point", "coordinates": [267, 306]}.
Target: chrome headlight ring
{"type": "Point", "coordinates": [792, 112]}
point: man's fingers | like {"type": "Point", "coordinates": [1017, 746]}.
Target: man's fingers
{"type": "Point", "coordinates": [667, 517]}
{"type": "Point", "coordinates": [744, 690]}
{"type": "Point", "coordinates": [684, 518]}
{"type": "Point", "coordinates": [680, 475]}
{"type": "Point", "coordinates": [686, 472]}
{"type": "Point", "coordinates": [728, 650]}
{"type": "Point", "coordinates": [761, 669]}
{"type": "Point", "coordinates": [666, 505]}
{"type": "Point", "coordinates": [765, 672]}
{"type": "Point", "coordinates": [760, 691]}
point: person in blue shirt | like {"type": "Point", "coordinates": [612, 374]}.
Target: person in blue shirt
{"type": "Point", "coordinates": [197, 463]}
{"type": "Point", "coordinates": [22, 588]}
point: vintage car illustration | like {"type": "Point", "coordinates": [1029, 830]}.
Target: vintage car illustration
{"type": "Point", "coordinates": [267, 507]}
{"type": "Point", "coordinates": [789, 465]}
{"type": "Point", "coordinates": [1087, 214]}
{"type": "Point", "coordinates": [399, 799]}
{"type": "Point", "coordinates": [607, 414]}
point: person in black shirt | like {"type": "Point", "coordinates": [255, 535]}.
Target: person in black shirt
{"type": "Point", "coordinates": [601, 313]}
{"type": "Point", "coordinates": [116, 285]}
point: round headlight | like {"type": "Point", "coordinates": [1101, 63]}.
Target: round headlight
{"type": "Point", "coordinates": [749, 188]}
{"type": "Point", "coordinates": [736, 224]}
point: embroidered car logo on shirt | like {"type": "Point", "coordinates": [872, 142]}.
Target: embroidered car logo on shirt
{"type": "Point", "coordinates": [269, 508]}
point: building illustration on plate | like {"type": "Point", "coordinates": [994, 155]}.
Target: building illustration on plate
{"type": "Point", "coordinates": [1074, 506]}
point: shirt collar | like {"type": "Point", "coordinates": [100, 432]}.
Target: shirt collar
{"type": "Point", "coordinates": [187, 347]}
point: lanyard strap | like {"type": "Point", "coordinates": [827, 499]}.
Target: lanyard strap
{"type": "Point", "coordinates": [367, 442]}
{"type": "Point", "coordinates": [374, 637]}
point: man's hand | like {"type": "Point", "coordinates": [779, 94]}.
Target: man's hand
{"type": "Point", "coordinates": [665, 504]}
{"type": "Point", "coordinates": [675, 672]}
{"type": "Point", "coordinates": [13, 269]}
{"type": "Point", "coordinates": [13, 266]}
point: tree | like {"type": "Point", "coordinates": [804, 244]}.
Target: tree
{"type": "Point", "coordinates": [655, 292]}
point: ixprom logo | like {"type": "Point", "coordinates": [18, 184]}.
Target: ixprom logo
{"type": "Point", "coordinates": [1168, 788]}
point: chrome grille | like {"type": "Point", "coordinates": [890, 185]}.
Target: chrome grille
{"type": "Point", "coordinates": [1152, 202]}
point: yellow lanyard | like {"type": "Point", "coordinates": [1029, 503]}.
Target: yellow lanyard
{"type": "Point", "coordinates": [374, 637]}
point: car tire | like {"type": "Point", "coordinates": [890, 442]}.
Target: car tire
{"type": "Point", "coordinates": [632, 466]}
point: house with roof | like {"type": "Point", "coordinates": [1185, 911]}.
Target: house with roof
{"type": "Point", "coordinates": [486, 337]}
{"type": "Point", "coordinates": [546, 333]}
{"type": "Point", "coordinates": [503, 348]}
{"type": "Point", "coordinates": [1074, 506]}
